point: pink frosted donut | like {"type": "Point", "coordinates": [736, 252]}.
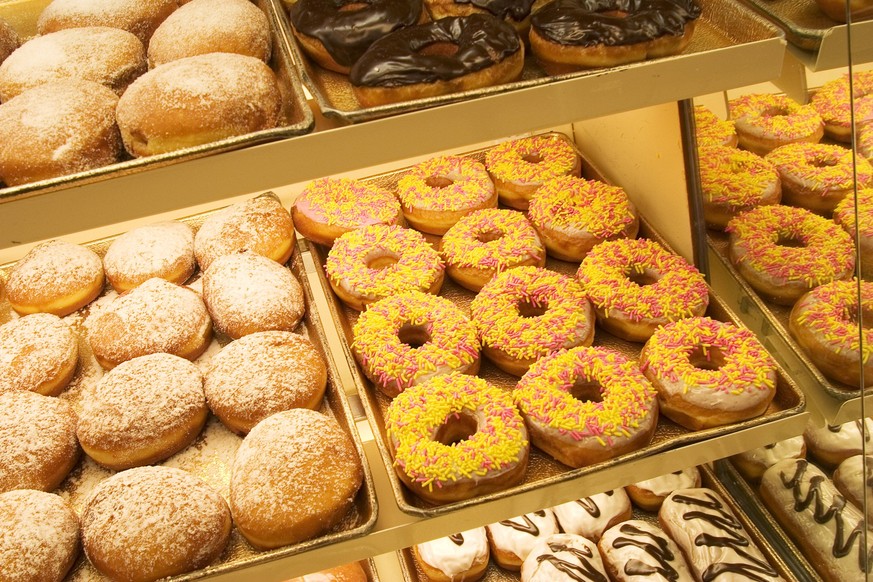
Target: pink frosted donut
{"type": "Point", "coordinates": [765, 122]}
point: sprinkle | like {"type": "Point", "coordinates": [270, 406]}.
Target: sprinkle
{"type": "Point", "coordinates": [775, 117]}
{"type": "Point", "coordinates": [511, 240]}
{"type": "Point", "coordinates": [531, 160]}
{"type": "Point", "coordinates": [818, 166]}
{"type": "Point", "coordinates": [830, 312]}
{"type": "Point", "coordinates": [569, 203]}
{"type": "Point", "coordinates": [844, 213]}
{"type": "Point", "coordinates": [711, 130]}
{"type": "Point", "coordinates": [834, 105]}
{"type": "Point", "coordinates": [347, 203]}
{"type": "Point", "coordinates": [736, 178]}
{"type": "Point", "coordinates": [468, 185]}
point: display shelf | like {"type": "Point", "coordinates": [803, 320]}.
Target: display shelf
{"type": "Point", "coordinates": [833, 52]}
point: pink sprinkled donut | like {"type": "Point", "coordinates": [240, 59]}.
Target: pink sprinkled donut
{"type": "Point", "coordinates": [436, 193]}
{"type": "Point", "coordinates": [637, 286]}
{"type": "Point", "coordinates": [586, 405]}
{"type": "Point", "coordinates": [526, 313]}
{"type": "Point", "coordinates": [765, 122]}
{"type": "Point", "coordinates": [518, 167]}
{"type": "Point", "coordinates": [329, 207]}
{"type": "Point", "coordinates": [783, 251]}
{"type": "Point", "coordinates": [712, 130]}
{"type": "Point", "coordinates": [844, 215]}
{"type": "Point", "coordinates": [834, 102]}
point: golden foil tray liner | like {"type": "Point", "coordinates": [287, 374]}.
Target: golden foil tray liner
{"type": "Point", "coordinates": [723, 24]}
{"type": "Point", "coordinates": [296, 119]}
{"type": "Point", "coordinates": [804, 23]}
{"type": "Point", "coordinates": [774, 552]}
{"type": "Point", "coordinates": [543, 470]}
{"type": "Point", "coordinates": [211, 455]}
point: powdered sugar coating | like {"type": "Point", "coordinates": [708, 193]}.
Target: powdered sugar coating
{"type": "Point", "coordinates": [140, 17]}
{"type": "Point", "coordinates": [163, 249]}
{"type": "Point", "coordinates": [39, 537]}
{"type": "Point", "coordinates": [35, 351]}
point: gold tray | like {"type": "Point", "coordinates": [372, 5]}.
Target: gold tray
{"type": "Point", "coordinates": [543, 470]}
{"type": "Point", "coordinates": [722, 24]}
{"type": "Point", "coordinates": [804, 23]}
{"type": "Point", "coordinates": [296, 119]}
{"type": "Point", "coordinates": [774, 554]}
{"type": "Point", "coordinates": [211, 455]}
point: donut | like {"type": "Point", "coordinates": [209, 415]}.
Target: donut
{"type": "Point", "coordinates": [246, 292]}
{"type": "Point", "coordinates": [586, 405]}
{"type": "Point", "coordinates": [38, 353]}
{"type": "Point", "coordinates": [860, 230]}
{"type": "Point", "coordinates": [150, 522]}
{"type": "Point", "coordinates": [39, 537]}
{"type": "Point", "coordinates": [563, 558]}
{"type": "Point", "coordinates": [733, 181]}
{"type": "Point", "coordinates": [518, 167]}
{"type": "Point", "coordinates": [864, 141]}
{"type": "Point", "coordinates": [157, 316]}
{"type": "Point", "coordinates": [109, 56]}
{"type": "Point", "coordinates": [163, 249]}
{"type": "Point", "coordinates": [335, 33]}
{"type": "Point", "coordinates": [352, 572]}
{"type": "Point", "coordinates": [487, 242]}
{"type": "Point", "coordinates": [858, 9]}
{"type": "Point", "coordinates": [197, 100]}
{"type": "Point", "coordinates": [408, 338]}
{"type": "Point", "coordinates": [455, 437]}
{"type": "Point", "coordinates": [142, 411]}
{"type": "Point", "coordinates": [330, 207]}
{"type": "Point", "coordinates": [708, 373]}
{"type": "Point", "coordinates": [527, 313]}
{"type": "Point", "coordinates": [38, 446]}
{"type": "Point", "coordinates": [59, 128]}
{"type": "Point", "coordinates": [260, 224]}
{"type": "Point", "coordinates": [570, 34]}
{"type": "Point", "coordinates": [637, 549]}
{"type": "Point", "coordinates": [460, 557]}
{"type": "Point", "coordinates": [636, 286]}
{"type": "Point", "coordinates": [141, 17]}
{"type": "Point", "coordinates": [818, 176]}
{"type": "Point", "coordinates": [572, 215]}
{"type": "Point", "coordinates": [54, 277]}
{"type": "Point", "coordinates": [9, 39]}
{"type": "Point", "coordinates": [834, 103]}
{"type": "Point", "coordinates": [436, 193]}
{"type": "Point", "coordinates": [516, 13]}
{"type": "Point", "coordinates": [827, 530]}
{"type": "Point", "coordinates": [752, 463]}
{"type": "Point", "coordinates": [783, 251]}
{"type": "Point", "coordinates": [829, 445]}
{"type": "Point", "coordinates": [590, 516]}
{"type": "Point", "coordinates": [261, 374]}
{"type": "Point", "coordinates": [765, 122]}
{"type": "Point", "coordinates": [713, 130]}
{"type": "Point", "coordinates": [852, 478]}
{"type": "Point", "coordinates": [711, 537]}
{"type": "Point", "coordinates": [511, 540]}
{"type": "Point", "coordinates": [450, 55]}
{"type": "Point", "coordinates": [649, 494]}
{"type": "Point", "coordinates": [376, 261]}
{"type": "Point", "coordinates": [308, 474]}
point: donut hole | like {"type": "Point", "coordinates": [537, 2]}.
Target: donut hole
{"type": "Point", "coordinates": [526, 308]}
{"type": "Point", "coordinates": [438, 181]}
{"type": "Point", "coordinates": [642, 278]}
{"type": "Point", "coordinates": [775, 111]}
{"type": "Point", "coordinates": [823, 162]}
{"type": "Point", "coordinates": [709, 358]}
{"type": "Point", "coordinates": [456, 428]}
{"type": "Point", "coordinates": [414, 336]}
{"type": "Point", "coordinates": [439, 49]}
{"type": "Point", "coordinates": [863, 317]}
{"type": "Point", "coordinates": [380, 262]}
{"type": "Point", "coordinates": [488, 236]}
{"type": "Point", "coordinates": [586, 390]}
{"type": "Point", "coordinates": [791, 241]}
{"type": "Point", "coordinates": [532, 158]}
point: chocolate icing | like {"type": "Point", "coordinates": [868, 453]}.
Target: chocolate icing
{"type": "Point", "coordinates": [528, 527]}
{"type": "Point", "coordinates": [457, 539]}
{"type": "Point", "coordinates": [518, 10]}
{"type": "Point", "coordinates": [582, 572]}
{"type": "Point", "coordinates": [396, 59]}
{"type": "Point", "coordinates": [593, 22]}
{"type": "Point", "coordinates": [657, 548]}
{"type": "Point", "coordinates": [346, 34]}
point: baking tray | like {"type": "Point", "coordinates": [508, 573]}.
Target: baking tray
{"type": "Point", "coordinates": [804, 23]}
{"type": "Point", "coordinates": [297, 117]}
{"type": "Point", "coordinates": [543, 470]}
{"type": "Point", "coordinates": [773, 552]}
{"type": "Point", "coordinates": [211, 455]}
{"type": "Point", "coordinates": [722, 24]}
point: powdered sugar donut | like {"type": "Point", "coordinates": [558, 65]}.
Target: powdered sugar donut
{"type": "Point", "coordinates": [591, 516]}
{"type": "Point", "coordinates": [163, 249]}
{"type": "Point", "coordinates": [650, 493]}
{"type": "Point", "coordinates": [513, 539]}
{"type": "Point", "coordinates": [141, 17]}
{"type": "Point", "coordinates": [9, 40]}
{"type": "Point", "coordinates": [462, 556]}
{"type": "Point", "coordinates": [38, 352]}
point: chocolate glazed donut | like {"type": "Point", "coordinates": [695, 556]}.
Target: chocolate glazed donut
{"type": "Point", "coordinates": [437, 58]}
{"type": "Point", "coordinates": [335, 33]}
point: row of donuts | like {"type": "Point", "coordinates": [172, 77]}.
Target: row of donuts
{"type": "Point", "coordinates": [108, 81]}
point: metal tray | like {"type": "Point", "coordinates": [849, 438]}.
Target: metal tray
{"type": "Point", "coordinates": [804, 23]}
{"type": "Point", "coordinates": [211, 455]}
{"type": "Point", "coordinates": [723, 24]}
{"type": "Point", "coordinates": [773, 552]}
{"type": "Point", "coordinates": [297, 117]}
{"type": "Point", "coordinates": [543, 470]}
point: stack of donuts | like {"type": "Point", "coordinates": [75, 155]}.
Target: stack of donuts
{"type": "Point", "coordinates": [134, 359]}
{"type": "Point", "coordinates": [468, 289]}
{"type": "Point", "coordinates": [401, 50]}
{"type": "Point", "coordinates": [112, 80]}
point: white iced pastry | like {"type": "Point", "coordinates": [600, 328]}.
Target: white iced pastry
{"type": "Point", "coordinates": [591, 516]}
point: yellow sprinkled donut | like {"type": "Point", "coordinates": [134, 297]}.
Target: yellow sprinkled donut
{"type": "Point", "coordinates": [844, 215]}
{"type": "Point", "coordinates": [708, 373]}
{"type": "Point", "coordinates": [518, 167]}
{"type": "Point", "coordinates": [711, 130]}
{"type": "Point", "coordinates": [765, 122]}
{"type": "Point", "coordinates": [526, 313]}
{"type": "Point", "coordinates": [637, 286]}
{"type": "Point", "coordinates": [783, 251]}
{"type": "Point", "coordinates": [436, 193]}
{"type": "Point", "coordinates": [411, 337]}
{"type": "Point", "coordinates": [376, 261]}
{"type": "Point", "coordinates": [486, 242]}
{"type": "Point", "coordinates": [572, 215]}
{"type": "Point", "coordinates": [833, 103]}
{"type": "Point", "coordinates": [865, 141]}
{"type": "Point", "coordinates": [455, 437]}
{"type": "Point", "coordinates": [586, 405]}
